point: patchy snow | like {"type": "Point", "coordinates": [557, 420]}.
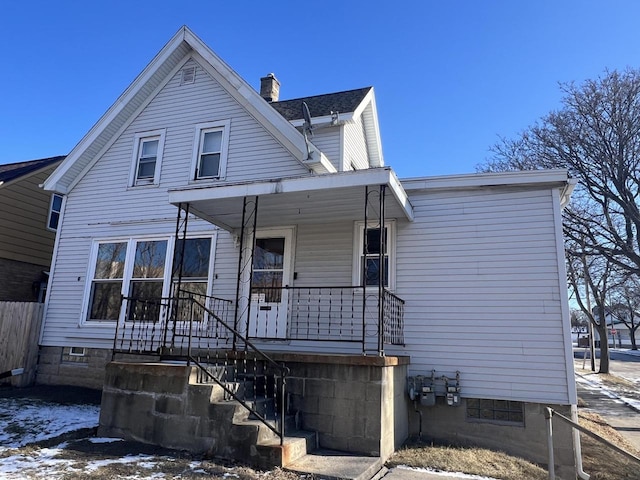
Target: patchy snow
{"type": "Point", "coordinates": [595, 383]}
{"type": "Point", "coordinates": [24, 421]}
{"type": "Point", "coordinates": [440, 473]}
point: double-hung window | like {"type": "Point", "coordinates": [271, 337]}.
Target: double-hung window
{"type": "Point", "coordinates": [106, 287]}
{"type": "Point", "coordinates": [210, 150]}
{"type": "Point", "coordinates": [147, 280]}
{"type": "Point", "coordinates": [147, 158]}
{"type": "Point", "coordinates": [372, 245]}
{"type": "Point", "coordinates": [140, 269]}
{"type": "Point", "coordinates": [55, 209]}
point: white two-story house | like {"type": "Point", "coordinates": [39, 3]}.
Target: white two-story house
{"type": "Point", "coordinates": [202, 218]}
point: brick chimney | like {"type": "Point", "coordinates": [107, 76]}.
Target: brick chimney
{"type": "Point", "coordinates": [270, 88]}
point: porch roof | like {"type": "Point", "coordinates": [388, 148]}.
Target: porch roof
{"type": "Point", "coordinates": [295, 200]}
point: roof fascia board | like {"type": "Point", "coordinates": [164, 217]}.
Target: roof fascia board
{"type": "Point", "coordinates": [275, 123]}
{"type": "Point", "coordinates": [373, 144]}
{"type": "Point", "coordinates": [325, 120]}
{"type": "Point", "coordinates": [54, 180]}
{"type": "Point", "coordinates": [28, 175]}
{"type": "Point", "coordinates": [478, 180]}
{"type": "Point", "coordinates": [128, 123]}
{"type": "Point", "coordinates": [359, 178]}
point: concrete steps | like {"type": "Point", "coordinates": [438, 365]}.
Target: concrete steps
{"type": "Point", "coordinates": [242, 436]}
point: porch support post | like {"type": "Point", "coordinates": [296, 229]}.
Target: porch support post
{"type": "Point", "coordinates": [363, 267]}
{"type": "Point", "coordinates": [253, 251]}
{"type": "Point", "coordinates": [381, 273]}
{"type": "Point", "coordinates": [177, 270]}
{"type": "Point", "coordinates": [243, 283]}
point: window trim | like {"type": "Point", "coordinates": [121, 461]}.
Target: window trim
{"type": "Point", "coordinates": [139, 138]}
{"type": "Point", "coordinates": [132, 242]}
{"type": "Point", "coordinates": [358, 239]}
{"type": "Point", "coordinates": [52, 211]}
{"type": "Point", "coordinates": [200, 130]}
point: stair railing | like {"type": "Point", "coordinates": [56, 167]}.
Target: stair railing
{"type": "Point", "coordinates": [250, 351]}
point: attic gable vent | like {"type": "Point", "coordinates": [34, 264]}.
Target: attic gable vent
{"type": "Point", "coordinates": [188, 75]}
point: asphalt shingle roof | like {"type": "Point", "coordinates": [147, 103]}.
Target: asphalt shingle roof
{"type": "Point", "coordinates": [322, 105]}
{"type": "Point", "coordinates": [11, 171]}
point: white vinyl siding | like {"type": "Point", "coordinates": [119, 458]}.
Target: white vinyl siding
{"type": "Point", "coordinates": [328, 141]}
{"type": "Point", "coordinates": [134, 212]}
{"type": "Point", "coordinates": [478, 270]}
{"type": "Point", "coordinates": [355, 146]}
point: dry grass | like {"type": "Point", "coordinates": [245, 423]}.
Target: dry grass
{"type": "Point", "coordinates": [600, 461]}
{"type": "Point", "coordinates": [477, 461]}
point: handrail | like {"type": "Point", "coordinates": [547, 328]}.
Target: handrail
{"type": "Point", "coordinates": [283, 369]}
{"type": "Point", "coordinates": [550, 412]}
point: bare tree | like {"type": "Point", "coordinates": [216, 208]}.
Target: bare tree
{"type": "Point", "coordinates": [625, 306]}
{"type": "Point", "coordinates": [596, 136]}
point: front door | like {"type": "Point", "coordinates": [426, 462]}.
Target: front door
{"type": "Point", "coordinates": [272, 259]}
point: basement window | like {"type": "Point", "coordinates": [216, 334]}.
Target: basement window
{"type": "Point", "coordinates": [495, 411]}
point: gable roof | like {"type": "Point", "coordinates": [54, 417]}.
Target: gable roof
{"type": "Point", "coordinates": [14, 171]}
{"type": "Point", "coordinates": [322, 105]}
{"type": "Point", "coordinates": [183, 46]}
{"type": "Point", "coordinates": [349, 106]}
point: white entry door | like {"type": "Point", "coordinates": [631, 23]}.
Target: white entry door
{"type": "Point", "coordinates": [272, 260]}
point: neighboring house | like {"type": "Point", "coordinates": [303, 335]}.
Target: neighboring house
{"type": "Point", "coordinates": [294, 232]}
{"type": "Point", "coordinates": [28, 221]}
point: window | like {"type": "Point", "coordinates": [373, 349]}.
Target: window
{"type": "Point", "coordinates": [210, 151]}
{"type": "Point", "coordinates": [499, 411]}
{"type": "Point", "coordinates": [147, 280]}
{"type": "Point", "coordinates": [55, 209]}
{"type": "Point", "coordinates": [106, 286]}
{"type": "Point", "coordinates": [369, 245]}
{"type": "Point", "coordinates": [147, 156]}
{"type": "Point", "coordinates": [141, 269]}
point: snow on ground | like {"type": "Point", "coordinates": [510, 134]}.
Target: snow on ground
{"type": "Point", "coordinates": [24, 421]}
{"type": "Point", "coordinates": [444, 475]}
{"type": "Point", "coordinates": [595, 383]}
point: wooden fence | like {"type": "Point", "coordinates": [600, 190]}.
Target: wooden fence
{"type": "Point", "coordinates": [20, 324]}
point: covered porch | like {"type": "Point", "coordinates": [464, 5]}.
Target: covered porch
{"type": "Point", "coordinates": [295, 305]}
{"type": "Point", "coordinates": [314, 268]}
{"type": "Point", "coordinates": [276, 299]}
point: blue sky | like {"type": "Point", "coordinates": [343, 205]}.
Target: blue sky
{"type": "Point", "coordinates": [450, 76]}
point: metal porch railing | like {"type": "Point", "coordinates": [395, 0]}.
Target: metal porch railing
{"type": "Point", "coordinates": [327, 314]}
{"type": "Point", "coordinates": [197, 329]}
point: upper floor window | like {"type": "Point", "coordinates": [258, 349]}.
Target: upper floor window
{"type": "Point", "coordinates": [210, 150]}
{"type": "Point", "coordinates": [55, 209]}
{"type": "Point", "coordinates": [147, 157]}
{"type": "Point", "coordinates": [374, 255]}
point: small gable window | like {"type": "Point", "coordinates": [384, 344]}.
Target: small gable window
{"type": "Point", "coordinates": [147, 158]}
{"type": "Point", "coordinates": [55, 209]}
{"type": "Point", "coordinates": [210, 151]}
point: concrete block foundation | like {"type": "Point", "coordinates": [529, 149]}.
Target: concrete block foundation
{"type": "Point", "coordinates": [443, 424]}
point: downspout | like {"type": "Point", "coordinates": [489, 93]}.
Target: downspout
{"type": "Point", "coordinates": [577, 449]}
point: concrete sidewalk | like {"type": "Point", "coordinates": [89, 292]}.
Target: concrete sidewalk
{"type": "Point", "coordinates": [623, 417]}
